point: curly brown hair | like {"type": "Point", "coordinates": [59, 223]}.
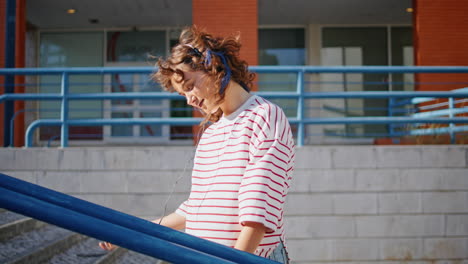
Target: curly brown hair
{"type": "Point", "coordinates": [197, 47]}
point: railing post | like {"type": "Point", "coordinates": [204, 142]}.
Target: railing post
{"type": "Point", "coordinates": [451, 125]}
{"type": "Point", "coordinates": [12, 126]}
{"type": "Point", "coordinates": [300, 108]}
{"type": "Point", "coordinates": [64, 111]}
{"type": "Point", "coordinates": [9, 80]}
{"type": "Point", "coordinates": [28, 142]}
{"type": "Point", "coordinates": [391, 104]}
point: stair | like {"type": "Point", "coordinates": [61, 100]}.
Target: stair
{"type": "Point", "coordinates": [29, 241]}
{"type": "Point", "coordinates": [131, 257]}
{"type": "Point", "coordinates": [86, 252]}
{"type": "Point", "coordinates": [12, 224]}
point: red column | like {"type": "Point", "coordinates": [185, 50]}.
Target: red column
{"type": "Point", "coordinates": [441, 39]}
{"type": "Point", "coordinates": [227, 17]}
{"type": "Point", "coordinates": [224, 17]}
{"type": "Point", "coordinates": [20, 62]}
{"type": "Point", "coordinates": [2, 61]}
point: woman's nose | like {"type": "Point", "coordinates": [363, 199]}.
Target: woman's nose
{"type": "Point", "coordinates": [191, 100]}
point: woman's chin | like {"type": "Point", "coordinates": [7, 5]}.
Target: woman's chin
{"type": "Point", "coordinates": [214, 110]}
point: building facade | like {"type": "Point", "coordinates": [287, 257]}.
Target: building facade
{"type": "Point", "coordinates": [51, 33]}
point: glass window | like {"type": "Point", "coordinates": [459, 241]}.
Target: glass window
{"type": "Point", "coordinates": [402, 55]}
{"type": "Point", "coordinates": [80, 49]}
{"type": "Point", "coordinates": [71, 49]}
{"type": "Point", "coordinates": [136, 46]}
{"type": "Point", "coordinates": [138, 108]}
{"type": "Point", "coordinates": [363, 46]}
{"type": "Point", "coordinates": [282, 46]}
{"type": "Point", "coordinates": [372, 41]}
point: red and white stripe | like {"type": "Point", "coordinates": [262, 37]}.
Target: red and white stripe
{"type": "Point", "coordinates": [242, 172]}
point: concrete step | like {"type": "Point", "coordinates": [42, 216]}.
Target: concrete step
{"type": "Point", "coordinates": [131, 257]}
{"type": "Point", "coordinates": [37, 245]}
{"type": "Point", "coordinates": [8, 217]}
{"type": "Point", "coordinates": [86, 251]}
{"type": "Point", "coordinates": [112, 256]}
{"type": "Point", "coordinates": [12, 224]}
{"type": "Point", "coordinates": [26, 240]}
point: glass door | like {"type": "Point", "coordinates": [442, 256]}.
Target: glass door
{"type": "Point", "coordinates": [339, 82]}
{"type": "Point", "coordinates": [141, 108]}
{"type": "Point", "coordinates": [356, 46]}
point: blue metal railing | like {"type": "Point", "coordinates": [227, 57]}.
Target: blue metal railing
{"type": "Point", "coordinates": [299, 94]}
{"type": "Point", "coordinates": [432, 108]}
{"type": "Point", "coordinates": [116, 227]}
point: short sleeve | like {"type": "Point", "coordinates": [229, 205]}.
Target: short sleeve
{"type": "Point", "coordinates": [265, 184]}
{"type": "Point", "coordinates": [182, 210]}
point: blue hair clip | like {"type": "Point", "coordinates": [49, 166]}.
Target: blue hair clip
{"type": "Point", "coordinates": [227, 74]}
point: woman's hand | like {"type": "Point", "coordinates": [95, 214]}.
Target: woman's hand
{"type": "Point", "coordinates": [107, 246]}
{"type": "Point", "coordinates": [174, 221]}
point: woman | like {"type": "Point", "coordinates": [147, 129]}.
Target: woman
{"type": "Point", "coordinates": [244, 159]}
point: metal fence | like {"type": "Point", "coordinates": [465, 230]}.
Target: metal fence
{"type": "Point", "coordinates": [429, 107]}
{"type": "Point", "coordinates": [301, 93]}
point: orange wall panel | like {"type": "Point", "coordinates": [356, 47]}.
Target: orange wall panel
{"type": "Point", "coordinates": [441, 39]}
{"type": "Point", "coordinates": [20, 62]}
{"type": "Point", "coordinates": [222, 17]}
{"type": "Point", "coordinates": [228, 17]}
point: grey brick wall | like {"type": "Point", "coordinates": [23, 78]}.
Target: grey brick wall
{"type": "Point", "coordinates": [348, 204]}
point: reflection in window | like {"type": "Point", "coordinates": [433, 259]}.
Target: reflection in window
{"type": "Point", "coordinates": [363, 46]}
{"type": "Point", "coordinates": [71, 49]}
{"type": "Point", "coordinates": [122, 130]}
{"type": "Point", "coordinates": [135, 46]}
{"type": "Point", "coordinates": [285, 46]}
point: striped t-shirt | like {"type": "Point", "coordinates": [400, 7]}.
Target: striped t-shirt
{"type": "Point", "coordinates": [242, 172]}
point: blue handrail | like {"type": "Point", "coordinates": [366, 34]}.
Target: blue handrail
{"type": "Point", "coordinates": [413, 108]}
{"type": "Point", "coordinates": [300, 95]}
{"type": "Point", "coordinates": [116, 227]}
